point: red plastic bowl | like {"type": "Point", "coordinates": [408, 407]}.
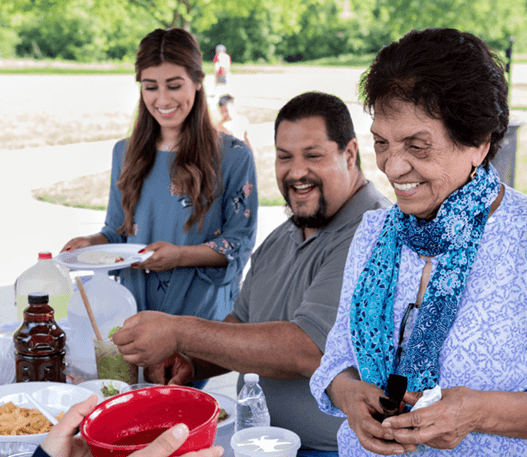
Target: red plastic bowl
{"type": "Point", "coordinates": [110, 428]}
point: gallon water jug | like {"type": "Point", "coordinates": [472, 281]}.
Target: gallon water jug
{"type": "Point", "coordinates": [111, 304]}
{"type": "Point", "coordinates": [47, 277]}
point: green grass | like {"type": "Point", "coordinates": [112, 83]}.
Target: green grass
{"type": "Point", "coordinates": [65, 71]}
{"type": "Point", "coordinates": [53, 67]}
{"type": "Point", "coordinates": [279, 201]}
{"type": "Point", "coordinates": [61, 201]}
{"type": "Point", "coordinates": [346, 60]}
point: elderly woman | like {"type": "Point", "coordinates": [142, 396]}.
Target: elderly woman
{"type": "Point", "coordinates": [435, 289]}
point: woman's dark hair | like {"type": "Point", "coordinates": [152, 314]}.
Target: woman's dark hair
{"type": "Point", "coordinates": [332, 109]}
{"type": "Point", "coordinates": [454, 76]}
{"type": "Point", "coordinates": [195, 170]}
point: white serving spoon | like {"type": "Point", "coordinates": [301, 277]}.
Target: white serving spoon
{"type": "Point", "coordinates": [42, 409]}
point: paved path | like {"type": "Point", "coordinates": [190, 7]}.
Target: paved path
{"type": "Point", "coordinates": [29, 226]}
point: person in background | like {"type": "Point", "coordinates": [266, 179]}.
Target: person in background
{"type": "Point", "coordinates": [222, 71]}
{"type": "Point", "coordinates": [435, 288]}
{"type": "Point", "coordinates": [231, 122]}
{"type": "Point", "coordinates": [290, 295]}
{"type": "Point", "coordinates": [62, 442]}
{"type": "Point", "coordinates": [179, 187]}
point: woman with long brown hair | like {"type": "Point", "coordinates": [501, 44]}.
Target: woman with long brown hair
{"type": "Point", "coordinates": [181, 189]}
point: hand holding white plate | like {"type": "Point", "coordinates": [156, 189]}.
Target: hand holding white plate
{"type": "Point", "coordinates": [93, 255]}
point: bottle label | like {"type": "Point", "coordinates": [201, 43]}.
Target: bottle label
{"type": "Point", "coordinates": [38, 368]}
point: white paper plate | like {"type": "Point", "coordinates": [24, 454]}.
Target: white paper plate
{"type": "Point", "coordinates": [97, 384]}
{"type": "Point", "coordinates": [130, 253]}
{"type": "Point", "coordinates": [228, 404]}
{"type": "Point", "coordinates": [55, 396]}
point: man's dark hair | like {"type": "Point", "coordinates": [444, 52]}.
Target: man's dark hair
{"type": "Point", "coordinates": [453, 76]}
{"type": "Point", "coordinates": [224, 99]}
{"type": "Point", "coordinates": [333, 110]}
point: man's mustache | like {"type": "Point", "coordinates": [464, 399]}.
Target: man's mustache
{"type": "Point", "coordinates": [309, 181]}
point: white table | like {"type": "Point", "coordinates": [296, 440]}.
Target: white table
{"type": "Point", "coordinates": [223, 438]}
{"type": "Point", "coordinates": [224, 434]}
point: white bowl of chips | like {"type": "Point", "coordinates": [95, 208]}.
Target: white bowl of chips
{"type": "Point", "coordinates": [15, 408]}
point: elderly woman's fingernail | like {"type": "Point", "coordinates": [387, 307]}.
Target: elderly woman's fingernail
{"type": "Point", "coordinates": [180, 431]}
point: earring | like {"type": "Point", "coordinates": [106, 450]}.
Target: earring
{"type": "Point", "coordinates": [474, 173]}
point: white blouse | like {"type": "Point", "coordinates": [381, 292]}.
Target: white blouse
{"type": "Point", "coordinates": [486, 348]}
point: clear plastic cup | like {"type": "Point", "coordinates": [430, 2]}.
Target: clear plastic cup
{"type": "Point", "coordinates": [265, 442]}
{"type": "Point", "coordinates": [111, 363]}
{"type": "Point", "coordinates": [142, 385]}
{"type": "Point", "coordinates": [17, 448]}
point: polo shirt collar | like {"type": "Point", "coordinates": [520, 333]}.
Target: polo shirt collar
{"type": "Point", "coordinates": [355, 206]}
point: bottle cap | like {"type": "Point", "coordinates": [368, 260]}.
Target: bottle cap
{"type": "Point", "coordinates": [38, 298]}
{"type": "Point", "coordinates": [44, 255]}
{"type": "Point", "coordinates": [251, 377]}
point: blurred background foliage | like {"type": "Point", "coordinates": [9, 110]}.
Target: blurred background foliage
{"type": "Point", "coordinates": [252, 30]}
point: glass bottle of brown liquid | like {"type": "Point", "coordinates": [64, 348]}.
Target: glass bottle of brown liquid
{"type": "Point", "coordinates": [39, 343]}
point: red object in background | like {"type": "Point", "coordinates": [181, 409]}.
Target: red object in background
{"type": "Point", "coordinates": [146, 413]}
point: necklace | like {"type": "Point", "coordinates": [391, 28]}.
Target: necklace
{"type": "Point", "coordinates": [167, 147]}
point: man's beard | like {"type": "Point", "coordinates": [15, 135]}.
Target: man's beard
{"type": "Point", "coordinates": [319, 219]}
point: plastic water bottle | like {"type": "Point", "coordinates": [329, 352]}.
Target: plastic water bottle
{"type": "Point", "coordinates": [251, 407]}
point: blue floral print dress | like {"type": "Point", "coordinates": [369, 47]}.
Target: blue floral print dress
{"type": "Point", "coordinates": [229, 227]}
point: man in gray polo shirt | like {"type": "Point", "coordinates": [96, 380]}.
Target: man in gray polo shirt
{"type": "Point", "coordinates": [289, 299]}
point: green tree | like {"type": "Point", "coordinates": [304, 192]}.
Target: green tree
{"type": "Point", "coordinates": [492, 20]}
{"type": "Point", "coordinates": [8, 35]}
{"type": "Point", "coordinates": [188, 13]}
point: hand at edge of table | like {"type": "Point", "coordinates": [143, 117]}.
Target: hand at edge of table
{"type": "Point", "coordinates": [359, 401]}
{"type": "Point", "coordinates": [177, 370]}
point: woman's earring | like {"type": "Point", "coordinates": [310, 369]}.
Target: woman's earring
{"type": "Point", "coordinates": [474, 173]}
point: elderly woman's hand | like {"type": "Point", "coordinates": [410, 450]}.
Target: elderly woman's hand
{"type": "Point", "coordinates": [61, 441]}
{"type": "Point", "coordinates": [362, 404]}
{"type": "Point", "coordinates": [441, 425]}
{"type": "Point", "coordinates": [359, 400]}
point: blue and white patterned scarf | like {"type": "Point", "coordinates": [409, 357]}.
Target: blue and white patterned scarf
{"type": "Point", "coordinates": [455, 232]}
